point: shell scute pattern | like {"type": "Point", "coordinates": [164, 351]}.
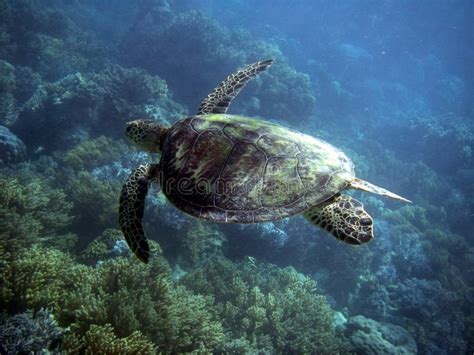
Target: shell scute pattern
{"type": "Point", "coordinates": [281, 182]}
{"type": "Point", "coordinates": [253, 170]}
{"type": "Point", "coordinates": [244, 183]}
{"type": "Point", "coordinates": [276, 145]}
{"type": "Point", "coordinates": [177, 152]}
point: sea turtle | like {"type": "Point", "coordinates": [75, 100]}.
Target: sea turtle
{"type": "Point", "coordinates": [234, 169]}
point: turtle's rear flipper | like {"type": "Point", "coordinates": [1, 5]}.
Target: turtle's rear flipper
{"type": "Point", "coordinates": [345, 218]}
{"type": "Point", "coordinates": [132, 206]}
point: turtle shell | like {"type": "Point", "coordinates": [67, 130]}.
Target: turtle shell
{"type": "Point", "coordinates": [229, 168]}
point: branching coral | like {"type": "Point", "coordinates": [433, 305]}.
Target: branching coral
{"type": "Point", "coordinates": [8, 104]}
{"type": "Point", "coordinates": [449, 255]}
{"type": "Point", "coordinates": [216, 52]}
{"type": "Point", "coordinates": [95, 203]}
{"type": "Point", "coordinates": [133, 93]}
{"type": "Point", "coordinates": [26, 82]}
{"type": "Point", "coordinates": [144, 298]}
{"type": "Point", "coordinates": [7, 78]}
{"type": "Point", "coordinates": [128, 295]}
{"type": "Point", "coordinates": [133, 86]}
{"type": "Point", "coordinates": [61, 110]}
{"type": "Point", "coordinates": [274, 309]}
{"type": "Point", "coordinates": [79, 105]}
{"type": "Point", "coordinates": [30, 212]}
{"type": "Point", "coordinates": [284, 94]}
{"type": "Point", "coordinates": [200, 243]}
{"type": "Point", "coordinates": [102, 246]}
{"type": "Point", "coordinates": [416, 272]}
{"type": "Point", "coordinates": [155, 35]}
{"type": "Point", "coordinates": [38, 278]}
{"type": "Point", "coordinates": [101, 339]}
{"type": "Point", "coordinates": [48, 41]}
{"type": "Point", "coordinates": [94, 152]}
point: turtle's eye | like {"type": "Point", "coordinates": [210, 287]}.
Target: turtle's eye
{"type": "Point", "coordinates": [129, 128]}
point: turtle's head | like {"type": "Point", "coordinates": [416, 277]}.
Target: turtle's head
{"type": "Point", "coordinates": [147, 134]}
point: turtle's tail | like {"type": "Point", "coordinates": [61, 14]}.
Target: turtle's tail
{"type": "Point", "coordinates": [367, 186]}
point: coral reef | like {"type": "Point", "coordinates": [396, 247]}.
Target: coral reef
{"type": "Point", "coordinates": [37, 278]}
{"type": "Point", "coordinates": [201, 242]}
{"type": "Point", "coordinates": [159, 33]}
{"type": "Point", "coordinates": [8, 104]}
{"type": "Point", "coordinates": [104, 246]}
{"type": "Point", "coordinates": [48, 41]}
{"type": "Point", "coordinates": [72, 74]}
{"type": "Point", "coordinates": [12, 149]}
{"type": "Point", "coordinates": [69, 105]}
{"type": "Point", "coordinates": [101, 339]}
{"type": "Point", "coordinates": [445, 142]}
{"type": "Point", "coordinates": [30, 212]}
{"type": "Point", "coordinates": [133, 93]}
{"type": "Point", "coordinates": [128, 296]}
{"type": "Point", "coordinates": [30, 332]}
{"type": "Point", "coordinates": [423, 299]}
{"type": "Point", "coordinates": [101, 199]}
{"type": "Point", "coordinates": [270, 309]}
{"type": "Point", "coordinates": [94, 153]}
{"type": "Point", "coordinates": [366, 336]}
{"type": "Point", "coordinates": [80, 104]}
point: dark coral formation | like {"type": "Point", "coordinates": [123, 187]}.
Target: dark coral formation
{"type": "Point", "coordinates": [371, 337]}
{"type": "Point", "coordinates": [12, 149]}
{"type": "Point", "coordinates": [30, 332]}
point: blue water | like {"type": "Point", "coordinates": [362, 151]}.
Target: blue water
{"type": "Point", "coordinates": [390, 83]}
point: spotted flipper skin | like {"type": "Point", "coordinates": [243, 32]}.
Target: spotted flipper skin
{"type": "Point", "coordinates": [345, 218]}
{"type": "Point", "coordinates": [219, 99]}
{"type": "Point", "coordinates": [132, 206]}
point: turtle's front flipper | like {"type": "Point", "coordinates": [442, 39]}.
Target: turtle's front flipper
{"type": "Point", "coordinates": [132, 206]}
{"type": "Point", "coordinates": [219, 99]}
{"type": "Point", "coordinates": [345, 218]}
